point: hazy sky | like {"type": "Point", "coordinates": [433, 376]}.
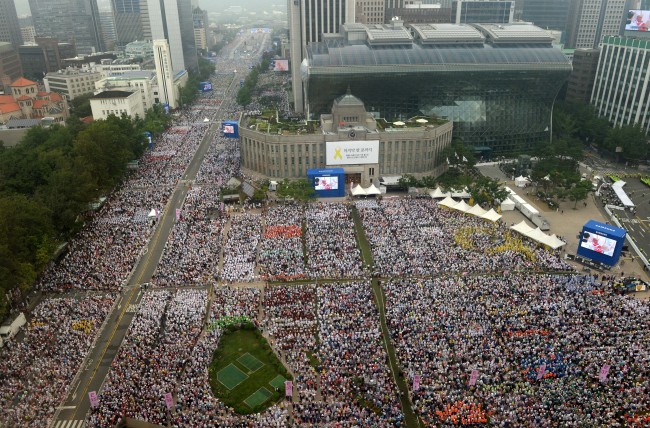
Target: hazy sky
{"type": "Point", "coordinates": [22, 6]}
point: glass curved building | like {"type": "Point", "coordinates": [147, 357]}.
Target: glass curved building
{"type": "Point", "coordinates": [497, 83]}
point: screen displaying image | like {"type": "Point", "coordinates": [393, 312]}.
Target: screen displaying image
{"type": "Point", "coordinates": [597, 243]}
{"type": "Point", "coordinates": [638, 20]}
{"type": "Point", "coordinates": [327, 183]}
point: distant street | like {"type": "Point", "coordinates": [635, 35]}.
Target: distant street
{"type": "Point", "coordinates": [102, 355]}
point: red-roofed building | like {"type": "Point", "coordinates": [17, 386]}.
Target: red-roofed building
{"type": "Point", "coordinates": [27, 102]}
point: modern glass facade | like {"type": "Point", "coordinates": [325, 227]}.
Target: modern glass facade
{"type": "Point", "coordinates": [498, 95]}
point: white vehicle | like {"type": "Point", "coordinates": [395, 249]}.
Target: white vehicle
{"type": "Point", "coordinates": [9, 331]}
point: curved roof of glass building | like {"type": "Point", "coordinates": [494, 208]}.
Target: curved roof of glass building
{"type": "Point", "coordinates": [435, 44]}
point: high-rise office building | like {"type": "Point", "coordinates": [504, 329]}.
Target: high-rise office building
{"type": "Point", "coordinates": [369, 11]}
{"type": "Point", "coordinates": [308, 21]}
{"type": "Point", "coordinates": [200, 18]}
{"type": "Point", "coordinates": [75, 21]}
{"type": "Point", "coordinates": [108, 29]}
{"type": "Point", "coordinates": [44, 56]}
{"type": "Point", "coordinates": [172, 20]}
{"type": "Point", "coordinates": [482, 11]}
{"type": "Point", "coordinates": [10, 68]}
{"type": "Point", "coordinates": [548, 14]}
{"type": "Point", "coordinates": [621, 88]}
{"type": "Point", "coordinates": [591, 20]}
{"type": "Point", "coordinates": [9, 27]}
{"type": "Point", "coordinates": [165, 73]}
{"type": "Point", "coordinates": [128, 21]}
{"type": "Point", "coordinates": [581, 81]}
{"type": "Point", "coordinates": [417, 11]}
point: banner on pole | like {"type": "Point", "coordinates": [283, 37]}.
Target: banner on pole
{"type": "Point", "coordinates": [169, 400]}
{"type": "Point", "coordinates": [94, 400]}
{"type": "Point", "coordinates": [178, 214]}
{"type": "Point", "coordinates": [288, 388]}
{"type": "Point", "coordinates": [604, 371]}
{"type": "Point", "coordinates": [473, 377]}
{"type": "Point", "coordinates": [541, 371]}
{"type": "Point", "coordinates": [416, 382]}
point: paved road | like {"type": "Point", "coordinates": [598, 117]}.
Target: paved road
{"type": "Point", "coordinates": [637, 224]}
{"type": "Point", "coordinates": [102, 355]}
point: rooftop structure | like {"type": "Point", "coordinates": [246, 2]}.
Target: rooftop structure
{"type": "Point", "coordinates": [496, 82]}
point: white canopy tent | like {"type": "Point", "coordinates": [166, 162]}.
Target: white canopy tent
{"type": "Point", "coordinates": [372, 190]}
{"type": "Point", "coordinates": [476, 210]}
{"type": "Point", "coordinates": [448, 202]}
{"type": "Point", "coordinates": [618, 189]}
{"type": "Point", "coordinates": [537, 235]}
{"type": "Point", "coordinates": [462, 206]}
{"type": "Point", "coordinates": [153, 213]}
{"type": "Point", "coordinates": [508, 205]}
{"type": "Point", "coordinates": [491, 215]}
{"type": "Point", "coordinates": [437, 193]}
{"type": "Point", "coordinates": [521, 181]}
{"type": "Point", "coordinates": [358, 191]}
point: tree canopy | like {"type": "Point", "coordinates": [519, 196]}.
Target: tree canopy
{"type": "Point", "coordinates": [48, 179]}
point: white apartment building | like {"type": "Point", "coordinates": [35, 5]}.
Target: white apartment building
{"type": "Point", "coordinates": [117, 103]}
{"type": "Point", "coordinates": [72, 82]}
{"type": "Point", "coordinates": [143, 81]}
{"type": "Point", "coordinates": [167, 91]}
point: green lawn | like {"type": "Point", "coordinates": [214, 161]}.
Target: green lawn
{"type": "Point", "coordinates": [243, 371]}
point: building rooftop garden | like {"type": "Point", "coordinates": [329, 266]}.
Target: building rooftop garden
{"type": "Point", "coordinates": [270, 121]}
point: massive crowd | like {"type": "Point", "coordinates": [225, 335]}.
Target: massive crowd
{"type": "Point", "coordinates": [417, 237]}
{"type": "Point", "coordinates": [511, 328]}
{"type": "Point", "coordinates": [37, 371]}
{"type": "Point", "coordinates": [155, 350]}
{"type": "Point", "coordinates": [281, 255]}
{"type": "Point", "coordinates": [240, 250]}
{"type": "Point", "coordinates": [537, 342]}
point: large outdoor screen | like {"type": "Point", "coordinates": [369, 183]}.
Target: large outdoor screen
{"type": "Point", "coordinates": [638, 20]}
{"type": "Point", "coordinates": [598, 243]}
{"type": "Point", "coordinates": [327, 183]}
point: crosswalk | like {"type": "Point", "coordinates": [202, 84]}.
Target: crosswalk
{"type": "Point", "coordinates": [79, 423]}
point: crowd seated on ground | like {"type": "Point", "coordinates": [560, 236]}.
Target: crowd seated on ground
{"type": "Point", "coordinates": [281, 254]}
{"type": "Point", "coordinates": [417, 237]}
{"type": "Point", "coordinates": [538, 343]}
{"type": "Point", "coordinates": [37, 372]}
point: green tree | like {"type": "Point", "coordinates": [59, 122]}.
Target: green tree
{"type": "Point", "coordinates": [631, 139]}
{"type": "Point", "coordinates": [299, 190]}
{"type": "Point", "coordinates": [579, 192]}
{"type": "Point", "coordinates": [80, 105]}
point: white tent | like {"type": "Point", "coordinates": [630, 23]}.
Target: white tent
{"type": "Point", "coordinates": [522, 228]}
{"type": "Point", "coordinates": [372, 190]}
{"type": "Point", "coordinates": [358, 191]}
{"type": "Point", "coordinates": [507, 205]}
{"type": "Point", "coordinates": [153, 213]}
{"type": "Point", "coordinates": [476, 210]}
{"type": "Point", "coordinates": [463, 194]}
{"type": "Point", "coordinates": [618, 189]}
{"type": "Point", "coordinates": [438, 193]}
{"type": "Point", "coordinates": [447, 202]}
{"type": "Point", "coordinates": [491, 215]}
{"type": "Point", "coordinates": [556, 242]}
{"type": "Point", "coordinates": [462, 206]}
{"type": "Point", "coordinates": [521, 181]}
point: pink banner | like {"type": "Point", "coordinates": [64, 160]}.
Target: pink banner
{"type": "Point", "coordinates": [288, 388]}
{"type": "Point", "coordinates": [604, 371]}
{"type": "Point", "coordinates": [178, 214]}
{"type": "Point", "coordinates": [169, 400]}
{"type": "Point", "coordinates": [473, 377]}
{"type": "Point", "coordinates": [416, 382]}
{"type": "Point", "coordinates": [94, 401]}
{"type": "Point", "coordinates": [541, 371]}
